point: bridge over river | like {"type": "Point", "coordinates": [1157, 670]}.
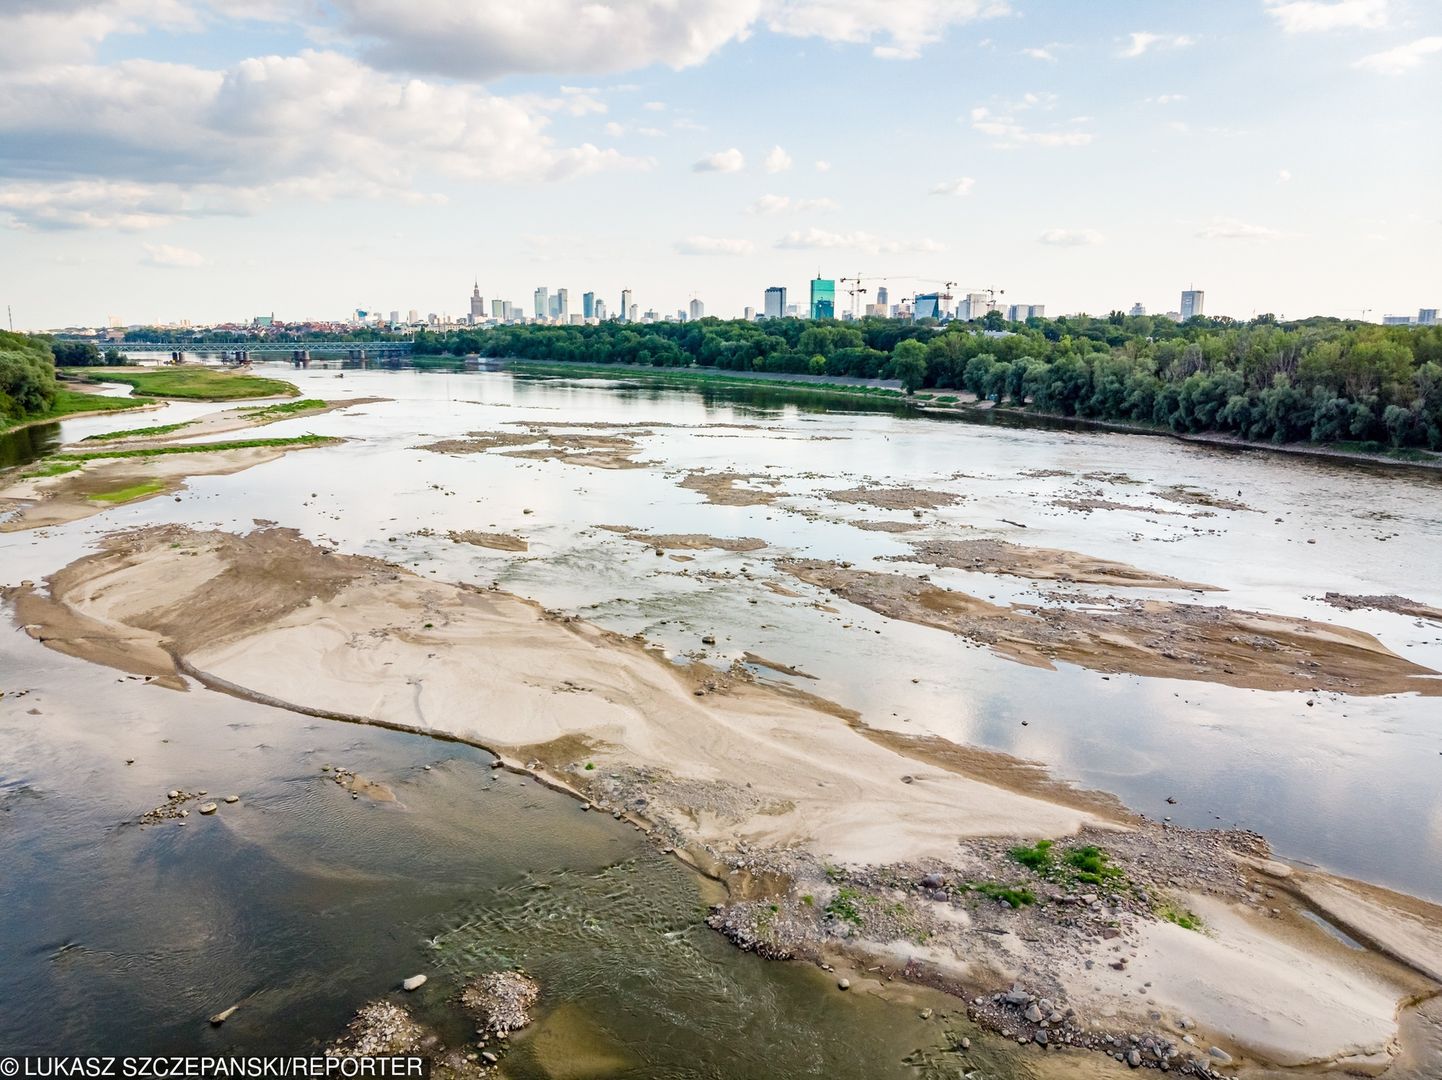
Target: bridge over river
{"type": "Point", "coordinates": [299, 353]}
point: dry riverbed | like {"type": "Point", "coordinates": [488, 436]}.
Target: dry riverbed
{"type": "Point", "coordinates": [880, 854]}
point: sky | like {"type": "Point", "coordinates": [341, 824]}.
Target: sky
{"type": "Point", "coordinates": [214, 160]}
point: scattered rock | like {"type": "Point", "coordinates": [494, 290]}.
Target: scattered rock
{"type": "Point", "coordinates": [500, 1001]}
{"type": "Point", "coordinates": [208, 808]}
{"type": "Point", "coordinates": [843, 984]}
{"type": "Point", "coordinates": [224, 1015]}
{"type": "Point", "coordinates": [415, 982]}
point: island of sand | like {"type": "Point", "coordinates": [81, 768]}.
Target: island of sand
{"type": "Point", "coordinates": [1059, 916]}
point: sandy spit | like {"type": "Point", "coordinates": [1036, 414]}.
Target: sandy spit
{"type": "Point", "coordinates": [687, 541]}
{"type": "Point", "coordinates": [494, 540]}
{"type": "Point", "coordinates": [1043, 564]}
{"type": "Point", "coordinates": [1154, 638]}
{"type": "Point", "coordinates": [273, 614]}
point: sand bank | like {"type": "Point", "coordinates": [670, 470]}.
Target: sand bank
{"type": "Point", "coordinates": [1043, 564]}
{"type": "Point", "coordinates": [792, 798]}
{"type": "Point", "coordinates": [1178, 641]}
{"type": "Point", "coordinates": [687, 541]}
{"type": "Point", "coordinates": [495, 541]}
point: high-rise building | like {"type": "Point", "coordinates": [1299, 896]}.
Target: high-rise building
{"type": "Point", "coordinates": [698, 310]}
{"type": "Point", "coordinates": [928, 306]}
{"type": "Point", "coordinates": [1138, 309]}
{"type": "Point", "coordinates": [478, 306]}
{"type": "Point", "coordinates": [563, 305]}
{"type": "Point", "coordinates": [775, 304]}
{"type": "Point", "coordinates": [633, 313]}
{"type": "Point", "coordinates": [793, 311]}
{"type": "Point", "coordinates": [588, 305]}
{"type": "Point", "coordinates": [395, 318]}
{"type": "Point", "coordinates": [413, 316]}
{"type": "Point", "coordinates": [1396, 320]}
{"type": "Point", "coordinates": [1427, 316]}
{"type": "Point", "coordinates": [749, 314]}
{"type": "Point", "coordinates": [882, 297]}
{"type": "Point", "coordinates": [974, 306]}
{"type": "Point", "coordinates": [1022, 312]}
{"type": "Point", "coordinates": [498, 309]}
{"type": "Point", "coordinates": [627, 308]}
{"type": "Point", "coordinates": [1193, 303]}
{"type": "Point", "coordinates": [600, 311]}
{"type": "Point", "coordinates": [823, 298]}
{"type": "Point", "coordinates": [543, 303]}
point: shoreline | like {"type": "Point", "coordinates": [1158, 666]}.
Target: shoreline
{"type": "Point", "coordinates": [138, 407]}
{"type": "Point", "coordinates": [970, 411]}
{"type": "Point", "coordinates": [686, 780]}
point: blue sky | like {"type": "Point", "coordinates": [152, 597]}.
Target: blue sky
{"type": "Point", "coordinates": [169, 159]}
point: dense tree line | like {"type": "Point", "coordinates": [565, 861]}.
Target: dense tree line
{"type": "Point", "coordinates": [1319, 380]}
{"type": "Point", "coordinates": [27, 377]}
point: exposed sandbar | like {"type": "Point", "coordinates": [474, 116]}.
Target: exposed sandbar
{"type": "Point", "coordinates": [1043, 564]}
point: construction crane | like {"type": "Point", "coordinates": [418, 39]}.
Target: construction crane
{"type": "Point", "coordinates": [856, 289]}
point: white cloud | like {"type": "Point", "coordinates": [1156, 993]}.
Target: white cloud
{"type": "Point", "coordinates": [41, 32]}
{"type": "Point", "coordinates": [654, 106]}
{"type": "Point", "coordinates": [171, 257]}
{"type": "Point", "coordinates": [1040, 53]}
{"type": "Point", "coordinates": [651, 133]}
{"type": "Point", "coordinates": [1142, 41]}
{"type": "Point", "coordinates": [1007, 133]}
{"type": "Point", "coordinates": [960, 186]}
{"type": "Point", "coordinates": [731, 160]}
{"type": "Point", "coordinates": [713, 245]}
{"type": "Point", "coordinates": [1071, 237]}
{"type": "Point", "coordinates": [79, 145]}
{"type": "Point", "coordinates": [777, 204]}
{"type": "Point", "coordinates": [823, 166]}
{"type": "Point", "coordinates": [896, 29]}
{"type": "Point", "coordinates": [1166, 99]}
{"type": "Point", "coordinates": [777, 160]}
{"type": "Point", "coordinates": [1231, 229]}
{"type": "Point", "coordinates": [1401, 59]}
{"type": "Point", "coordinates": [814, 239]}
{"type": "Point", "coordinates": [1284, 176]}
{"type": "Point", "coordinates": [614, 129]}
{"type": "Point", "coordinates": [1312, 16]}
{"type": "Point", "coordinates": [482, 40]}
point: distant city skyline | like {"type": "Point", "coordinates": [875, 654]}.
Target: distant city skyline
{"type": "Point", "coordinates": [168, 160]}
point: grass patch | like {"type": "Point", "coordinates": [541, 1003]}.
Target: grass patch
{"type": "Point", "coordinates": [55, 468]}
{"type": "Point", "coordinates": [1093, 866]}
{"type": "Point", "coordinates": [125, 494]}
{"type": "Point", "coordinates": [1174, 913]}
{"type": "Point", "coordinates": [140, 432]}
{"type": "Point", "coordinates": [196, 383]}
{"type": "Point", "coordinates": [1087, 865]}
{"type": "Point", "coordinates": [697, 374]}
{"type": "Point", "coordinates": [843, 905]}
{"type": "Point", "coordinates": [196, 448]}
{"type": "Point", "coordinates": [1038, 857]}
{"type": "Point", "coordinates": [70, 402]}
{"type": "Point", "coordinates": [282, 409]}
{"type": "Point", "coordinates": [1016, 895]}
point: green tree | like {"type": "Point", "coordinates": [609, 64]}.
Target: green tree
{"type": "Point", "coordinates": [908, 363]}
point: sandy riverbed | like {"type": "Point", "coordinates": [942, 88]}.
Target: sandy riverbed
{"type": "Point", "coordinates": [773, 788]}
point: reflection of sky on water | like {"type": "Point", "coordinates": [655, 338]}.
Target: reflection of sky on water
{"type": "Point", "coordinates": [1349, 783]}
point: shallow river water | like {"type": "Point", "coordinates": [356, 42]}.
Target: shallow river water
{"type": "Point", "coordinates": [301, 903]}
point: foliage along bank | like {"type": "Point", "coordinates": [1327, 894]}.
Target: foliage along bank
{"type": "Point", "coordinates": [1318, 380]}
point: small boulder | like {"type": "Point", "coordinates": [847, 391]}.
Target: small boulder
{"type": "Point", "coordinates": [208, 808]}
{"type": "Point", "coordinates": [415, 982]}
{"type": "Point", "coordinates": [843, 984]}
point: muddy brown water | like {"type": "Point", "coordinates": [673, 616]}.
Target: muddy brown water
{"type": "Point", "coordinates": [312, 907]}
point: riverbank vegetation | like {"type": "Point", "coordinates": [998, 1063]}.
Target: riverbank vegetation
{"type": "Point", "coordinates": [1317, 380]}
{"type": "Point", "coordinates": [29, 391]}
{"type": "Point", "coordinates": [196, 383]}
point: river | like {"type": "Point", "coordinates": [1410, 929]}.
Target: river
{"type": "Point", "coordinates": [300, 902]}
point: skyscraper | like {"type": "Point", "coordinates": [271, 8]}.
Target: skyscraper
{"type": "Point", "coordinates": [498, 309]}
{"type": "Point", "coordinates": [974, 306]}
{"type": "Point", "coordinates": [588, 305]}
{"type": "Point", "coordinates": [698, 310]}
{"type": "Point", "coordinates": [626, 306]}
{"type": "Point", "coordinates": [1427, 316]}
{"type": "Point", "coordinates": [563, 305]}
{"type": "Point", "coordinates": [882, 297]}
{"type": "Point", "coordinates": [928, 306]}
{"type": "Point", "coordinates": [633, 313]}
{"type": "Point", "coordinates": [1193, 302]}
{"type": "Point", "coordinates": [823, 298]}
{"type": "Point", "coordinates": [478, 306]}
{"type": "Point", "coordinates": [600, 310]}
{"type": "Point", "coordinates": [775, 305]}
{"type": "Point", "coordinates": [749, 314]}
{"type": "Point", "coordinates": [543, 303]}
{"type": "Point", "coordinates": [1138, 309]}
